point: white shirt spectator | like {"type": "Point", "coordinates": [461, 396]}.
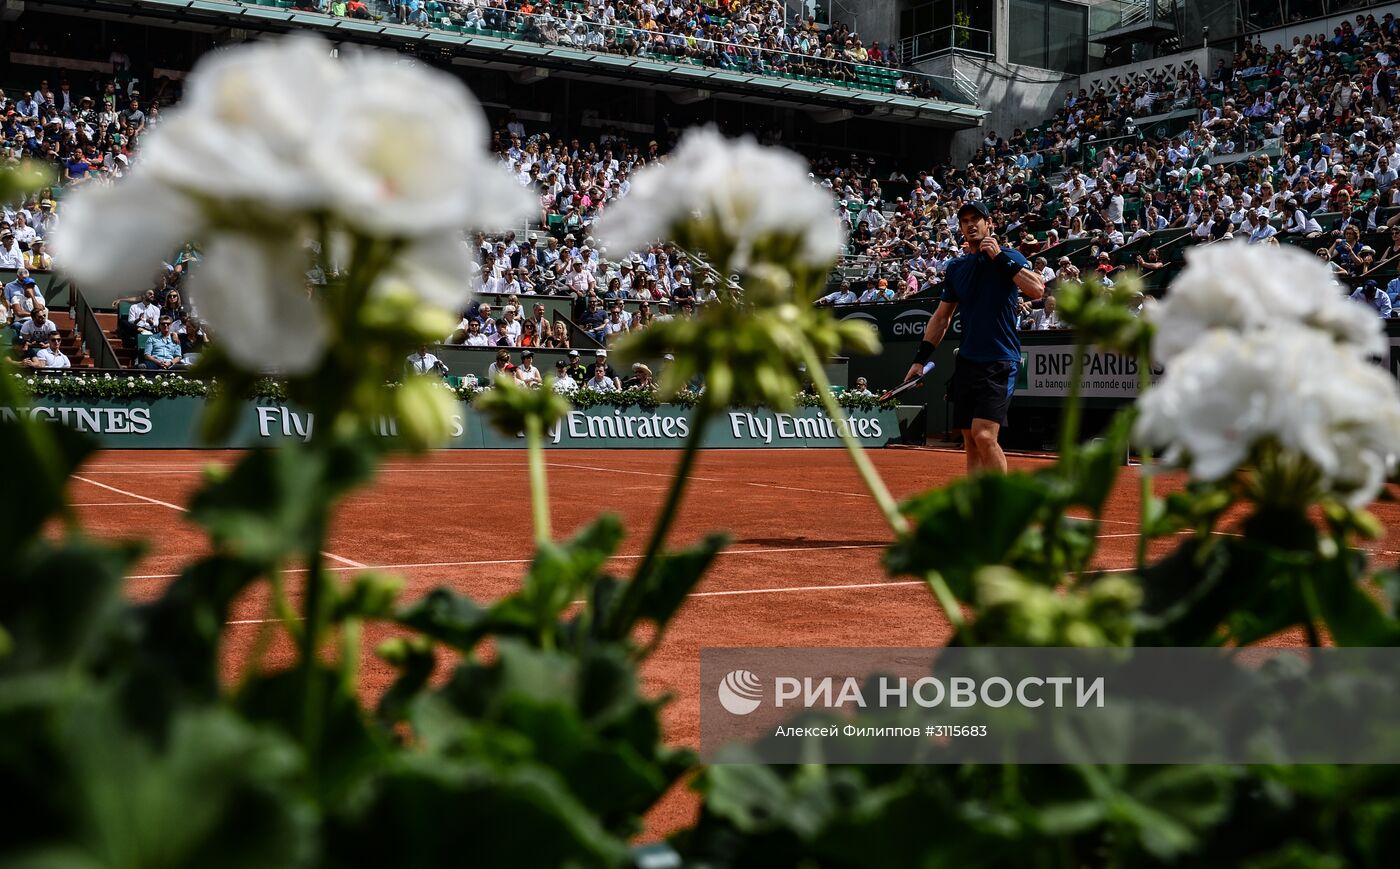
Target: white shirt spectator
{"type": "Point", "coordinates": [601, 383]}
{"type": "Point", "coordinates": [423, 362]}
{"type": "Point", "coordinates": [145, 316]}
{"type": "Point", "coordinates": [57, 359]}
{"type": "Point", "coordinates": [527, 374]}
{"type": "Point", "coordinates": [11, 257]}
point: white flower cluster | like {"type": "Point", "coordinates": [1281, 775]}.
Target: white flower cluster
{"type": "Point", "coordinates": [1260, 346]}
{"type": "Point", "coordinates": [270, 138]}
{"type": "Point", "coordinates": [734, 187]}
{"type": "Point", "coordinates": [1256, 288]}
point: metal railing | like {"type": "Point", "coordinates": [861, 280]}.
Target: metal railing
{"type": "Point", "coordinates": [943, 40]}
{"type": "Point", "coordinates": [93, 340]}
{"type": "Point", "coordinates": [626, 40]}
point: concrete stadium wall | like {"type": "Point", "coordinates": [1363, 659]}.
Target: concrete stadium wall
{"type": "Point", "coordinates": [1015, 95]}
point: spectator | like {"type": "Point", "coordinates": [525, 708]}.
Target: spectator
{"type": "Point", "coordinates": [564, 383]}
{"type": "Point", "coordinates": [843, 296]}
{"type": "Point", "coordinates": [879, 292]}
{"type": "Point", "coordinates": [163, 351]}
{"type": "Point", "coordinates": [22, 296]}
{"type": "Point", "coordinates": [37, 257]}
{"type": "Point", "coordinates": [50, 356]}
{"type": "Point", "coordinates": [36, 331]}
{"type": "Point", "coordinates": [10, 255]}
{"type": "Point", "coordinates": [474, 337]}
{"type": "Point", "coordinates": [862, 388]}
{"type": "Point", "coordinates": [1044, 318]}
{"type": "Point", "coordinates": [600, 381]}
{"type": "Point", "coordinates": [423, 362]}
{"type": "Point", "coordinates": [1370, 294]}
{"type": "Point", "coordinates": [501, 366]}
{"type": "Point", "coordinates": [143, 318]}
{"type": "Point", "coordinates": [526, 374]}
{"type": "Point", "coordinates": [576, 369]}
{"type": "Point", "coordinates": [641, 378]}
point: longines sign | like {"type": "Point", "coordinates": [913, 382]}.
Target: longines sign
{"type": "Point", "coordinates": [173, 423]}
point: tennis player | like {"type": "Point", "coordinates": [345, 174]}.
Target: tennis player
{"type": "Point", "coordinates": [986, 282]}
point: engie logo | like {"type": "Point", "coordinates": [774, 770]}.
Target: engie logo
{"type": "Point", "coordinates": [911, 323]}
{"type": "Point", "coordinates": [740, 692]}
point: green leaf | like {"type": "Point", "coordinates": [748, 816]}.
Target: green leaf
{"type": "Point", "coordinates": [47, 454]}
{"type": "Point", "coordinates": [563, 572]}
{"type": "Point", "coordinates": [657, 596]}
{"type": "Point", "coordinates": [1095, 466]}
{"type": "Point", "coordinates": [1209, 591]}
{"type": "Point", "coordinates": [350, 749]}
{"type": "Point", "coordinates": [451, 618]}
{"type": "Point", "coordinates": [415, 658]}
{"type": "Point", "coordinates": [972, 523]}
{"type": "Point", "coordinates": [60, 602]}
{"type": "Point", "coordinates": [1353, 615]}
{"type": "Point", "coordinates": [430, 810]}
{"type": "Point", "coordinates": [169, 651]}
{"type": "Point", "coordinates": [371, 595]}
{"type": "Point", "coordinates": [216, 792]}
{"type": "Point", "coordinates": [270, 505]}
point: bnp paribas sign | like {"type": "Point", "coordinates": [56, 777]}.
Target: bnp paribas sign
{"type": "Point", "coordinates": [173, 423]}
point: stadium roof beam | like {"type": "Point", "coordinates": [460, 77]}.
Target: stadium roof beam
{"type": "Point", "coordinates": [530, 75]}
{"type": "Point", "coordinates": [832, 116]}
{"type": "Point", "coordinates": [508, 55]}
{"type": "Point", "coordinates": [687, 96]}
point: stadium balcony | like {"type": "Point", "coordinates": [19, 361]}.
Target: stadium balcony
{"type": "Point", "coordinates": [534, 46]}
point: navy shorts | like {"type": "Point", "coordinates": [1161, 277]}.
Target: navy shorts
{"type": "Point", "coordinates": [982, 390]}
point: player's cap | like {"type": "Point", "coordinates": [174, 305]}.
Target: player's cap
{"type": "Point", "coordinates": [979, 207]}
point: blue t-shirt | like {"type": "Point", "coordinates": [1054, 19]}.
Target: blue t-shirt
{"type": "Point", "coordinates": [987, 299]}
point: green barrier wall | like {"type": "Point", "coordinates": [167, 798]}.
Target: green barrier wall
{"type": "Point", "coordinates": [173, 423]}
{"type": "Point", "coordinates": [51, 285]}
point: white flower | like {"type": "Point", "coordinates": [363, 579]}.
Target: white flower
{"type": "Point", "coordinates": [736, 187]}
{"type": "Point", "coordinates": [113, 237]}
{"type": "Point", "coordinates": [415, 166]}
{"type": "Point", "coordinates": [252, 293]}
{"type": "Point", "coordinates": [1256, 287]}
{"type": "Point", "coordinates": [435, 270]}
{"type": "Point", "coordinates": [1295, 386]}
{"type": "Point", "coordinates": [251, 127]}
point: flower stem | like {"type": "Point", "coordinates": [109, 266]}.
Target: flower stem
{"type": "Point", "coordinates": [1069, 425]}
{"type": "Point", "coordinates": [1146, 492]}
{"type": "Point", "coordinates": [677, 490]}
{"type": "Point", "coordinates": [871, 477]}
{"type": "Point", "coordinates": [311, 644]}
{"type": "Point", "coordinates": [1310, 609]}
{"type": "Point", "coordinates": [350, 655]}
{"type": "Point", "coordinates": [539, 489]}
{"type": "Point", "coordinates": [946, 599]}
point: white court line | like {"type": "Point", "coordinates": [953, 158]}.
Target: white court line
{"type": "Point", "coordinates": [155, 501]}
{"type": "Point", "coordinates": [177, 507]}
{"type": "Point", "coordinates": [109, 504]}
{"type": "Point", "coordinates": [726, 552]}
{"type": "Point", "coordinates": [713, 480]}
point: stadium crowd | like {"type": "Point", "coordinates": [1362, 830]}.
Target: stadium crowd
{"type": "Point", "coordinates": [750, 36]}
{"type": "Point", "coordinates": [1291, 144]}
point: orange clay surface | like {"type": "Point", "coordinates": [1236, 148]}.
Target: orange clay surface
{"type": "Point", "coordinates": [803, 568]}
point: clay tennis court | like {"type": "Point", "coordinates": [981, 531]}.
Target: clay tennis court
{"type": "Point", "coordinates": [803, 568]}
